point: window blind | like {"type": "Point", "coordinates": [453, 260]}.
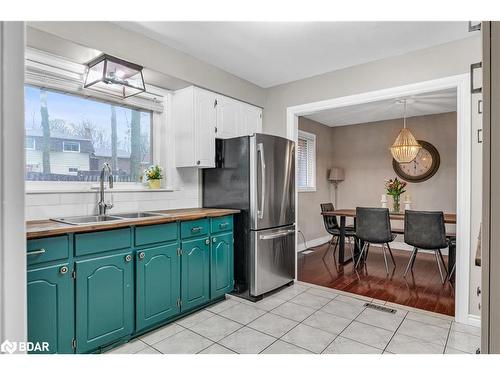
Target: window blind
{"type": "Point", "coordinates": [306, 161]}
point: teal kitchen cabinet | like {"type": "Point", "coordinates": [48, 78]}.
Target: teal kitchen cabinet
{"type": "Point", "coordinates": [104, 300]}
{"type": "Point", "coordinates": [195, 280]}
{"type": "Point", "coordinates": [158, 287]}
{"type": "Point", "coordinates": [221, 265]}
{"type": "Point", "coordinates": [50, 308]}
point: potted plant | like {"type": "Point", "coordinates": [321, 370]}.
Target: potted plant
{"type": "Point", "coordinates": [154, 176]}
{"type": "Point", "coordinates": [395, 188]}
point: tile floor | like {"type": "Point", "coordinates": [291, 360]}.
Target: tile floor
{"type": "Point", "coordinates": [305, 319]}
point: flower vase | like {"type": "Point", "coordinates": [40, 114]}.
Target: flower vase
{"type": "Point", "coordinates": [395, 203]}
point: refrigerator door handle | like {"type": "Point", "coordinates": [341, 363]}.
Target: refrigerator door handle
{"type": "Point", "coordinates": [276, 235]}
{"type": "Point", "coordinates": [260, 150]}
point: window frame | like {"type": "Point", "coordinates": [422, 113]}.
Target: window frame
{"type": "Point", "coordinates": [34, 143]}
{"type": "Point", "coordinates": [71, 142]}
{"type": "Point", "coordinates": [310, 138]}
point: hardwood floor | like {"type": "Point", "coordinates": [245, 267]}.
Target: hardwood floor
{"type": "Point", "coordinates": [422, 289]}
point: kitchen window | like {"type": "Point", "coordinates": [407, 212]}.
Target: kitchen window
{"type": "Point", "coordinates": [69, 137]}
{"type": "Point", "coordinates": [306, 161]}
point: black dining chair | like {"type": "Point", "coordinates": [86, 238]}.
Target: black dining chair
{"type": "Point", "coordinates": [425, 230]}
{"type": "Point", "coordinates": [333, 228]}
{"type": "Point", "coordinates": [373, 226]}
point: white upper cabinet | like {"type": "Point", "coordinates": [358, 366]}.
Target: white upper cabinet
{"type": "Point", "coordinates": [250, 119]}
{"type": "Point", "coordinates": [200, 116]}
{"type": "Point", "coordinates": [227, 113]}
{"type": "Point", "coordinates": [194, 118]}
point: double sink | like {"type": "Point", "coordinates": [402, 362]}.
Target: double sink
{"type": "Point", "coordinates": [94, 219]}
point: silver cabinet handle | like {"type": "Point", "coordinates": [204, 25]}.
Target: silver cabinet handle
{"type": "Point", "coordinates": [196, 229]}
{"type": "Point", "coordinates": [473, 67]}
{"type": "Point", "coordinates": [36, 252]}
{"type": "Point", "coordinates": [223, 225]}
{"type": "Point", "coordinates": [128, 258]}
{"type": "Point", "coordinates": [63, 270]}
{"type": "Point", "coordinates": [142, 255]}
{"type": "Point", "coordinates": [260, 150]}
{"type": "Point", "coordinates": [207, 242]}
{"type": "Point", "coordinates": [276, 235]}
{"type": "Point", "coordinates": [214, 240]}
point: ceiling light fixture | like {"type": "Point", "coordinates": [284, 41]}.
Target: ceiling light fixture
{"type": "Point", "coordinates": [114, 76]}
{"type": "Point", "coordinates": [405, 148]}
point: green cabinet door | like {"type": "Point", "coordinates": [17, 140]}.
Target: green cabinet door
{"type": "Point", "coordinates": [50, 308]}
{"type": "Point", "coordinates": [221, 265]}
{"type": "Point", "coordinates": [195, 273]}
{"type": "Point", "coordinates": [158, 277]}
{"type": "Point", "coordinates": [104, 300]}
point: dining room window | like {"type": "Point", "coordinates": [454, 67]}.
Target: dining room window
{"type": "Point", "coordinates": [306, 161]}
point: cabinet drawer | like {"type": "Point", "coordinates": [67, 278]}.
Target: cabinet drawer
{"type": "Point", "coordinates": [99, 242]}
{"type": "Point", "coordinates": [47, 249]}
{"type": "Point", "coordinates": [221, 224]}
{"type": "Point", "coordinates": [194, 228]}
{"type": "Point", "coordinates": [155, 233]}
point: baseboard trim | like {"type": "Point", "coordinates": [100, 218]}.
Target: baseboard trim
{"type": "Point", "coordinates": [313, 243]}
{"type": "Point", "coordinates": [397, 245]}
{"type": "Point", "coordinates": [474, 320]}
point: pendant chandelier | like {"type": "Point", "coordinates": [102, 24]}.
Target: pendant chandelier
{"type": "Point", "coordinates": [405, 148]}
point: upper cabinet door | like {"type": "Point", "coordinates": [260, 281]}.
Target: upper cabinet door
{"type": "Point", "coordinates": [205, 122]}
{"type": "Point", "coordinates": [104, 300]}
{"type": "Point", "coordinates": [228, 113]}
{"type": "Point", "coordinates": [50, 308]}
{"type": "Point", "coordinates": [250, 119]}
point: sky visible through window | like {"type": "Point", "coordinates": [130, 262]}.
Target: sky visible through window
{"type": "Point", "coordinates": [73, 119]}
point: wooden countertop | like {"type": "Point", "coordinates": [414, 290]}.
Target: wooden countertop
{"type": "Point", "coordinates": [46, 228]}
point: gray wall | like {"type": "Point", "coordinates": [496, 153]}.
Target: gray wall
{"type": "Point", "coordinates": [362, 151]}
{"type": "Point", "coordinates": [427, 64]}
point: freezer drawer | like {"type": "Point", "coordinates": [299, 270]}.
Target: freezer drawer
{"type": "Point", "coordinates": [272, 259]}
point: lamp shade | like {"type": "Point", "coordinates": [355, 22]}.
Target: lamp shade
{"type": "Point", "coordinates": [114, 76]}
{"type": "Point", "coordinates": [405, 148]}
{"type": "Point", "coordinates": [336, 174]}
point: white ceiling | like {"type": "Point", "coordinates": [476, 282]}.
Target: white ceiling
{"type": "Point", "coordinates": [418, 105]}
{"type": "Point", "coordinates": [273, 53]}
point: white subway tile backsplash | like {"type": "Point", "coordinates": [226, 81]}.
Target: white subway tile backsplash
{"type": "Point", "coordinates": [41, 206]}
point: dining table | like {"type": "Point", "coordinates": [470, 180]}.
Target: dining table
{"type": "Point", "coordinates": [449, 218]}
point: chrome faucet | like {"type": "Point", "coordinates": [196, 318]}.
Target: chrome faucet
{"type": "Point", "coordinates": [101, 205]}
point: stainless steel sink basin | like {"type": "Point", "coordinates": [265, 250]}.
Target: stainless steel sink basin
{"type": "Point", "coordinates": [75, 220]}
{"type": "Point", "coordinates": [136, 215]}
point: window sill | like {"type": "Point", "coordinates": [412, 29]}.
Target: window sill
{"type": "Point", "coordinates": [143, 189]}
{"type": "Point", "coordinates": [307, 190]}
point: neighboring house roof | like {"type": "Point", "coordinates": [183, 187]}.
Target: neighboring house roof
{"type": "Point", "coordinates": [106, 153]}
{"type": "Point", "coordinates": [57, 139]}
{"type": "Point", "coordinates": [55, 134]}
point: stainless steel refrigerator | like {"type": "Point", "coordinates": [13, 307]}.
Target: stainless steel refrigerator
{"type": "Point", "coordinates": [256, 174]}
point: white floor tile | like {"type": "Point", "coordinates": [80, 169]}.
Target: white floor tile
{"type": "Point", "coordinates": [343, 309]}
{"type": "Point", "coordinates": [342, 345]}
{"type": "Point", "coordinates": [242, 313]}
{"type": "Point", "coordinates": [464, 342]}
{"type": "Point", "coordinates": [381, 319]}
{"type": "Point", "coordinates": [428, 319]}
{"type": "Point", "coordinates": [322, 293]}
{"type": "Point", "coordinates": [131, 347]}
{"type": "Point", "coordinates": [312, 339]}
{"type": "Point", "coordinates": [273, 325]}
{"type": "Point", "coordinates": [449, 350]}
{"type": "Point", "coordinates": [310, 300]}
{"type": "Point", "coordinates": [161, 333]}
{"type": "Point", "coordinates": [148, 350]}
{"type": "Point", "coordinates": [464, 328]}
{"type": "Point", "coordinates": [267, 303]}
{"type": "Point", "coordinates": [327, 322]}
{"type": "Point", "coordinates": [247, 341]}
{"type": "Point", "coordinates": [282, 347]}
{"type": "Point", "coordinates": [216, 349]}
{"type": "Point", "coordinates": [185, 342]}
{"type": "Point", "coordinates": [424, 331]}
{"type": "Point", "coordinates": [216, 327]}
{"type": "Point", "coordinates": [367, 334]}
{"type": "Point", "coordinates": [293, 311]}
{"type": "Point", "coordinates": [224, 305]}
{"type": "Point", "coordinates": [401, 344]}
